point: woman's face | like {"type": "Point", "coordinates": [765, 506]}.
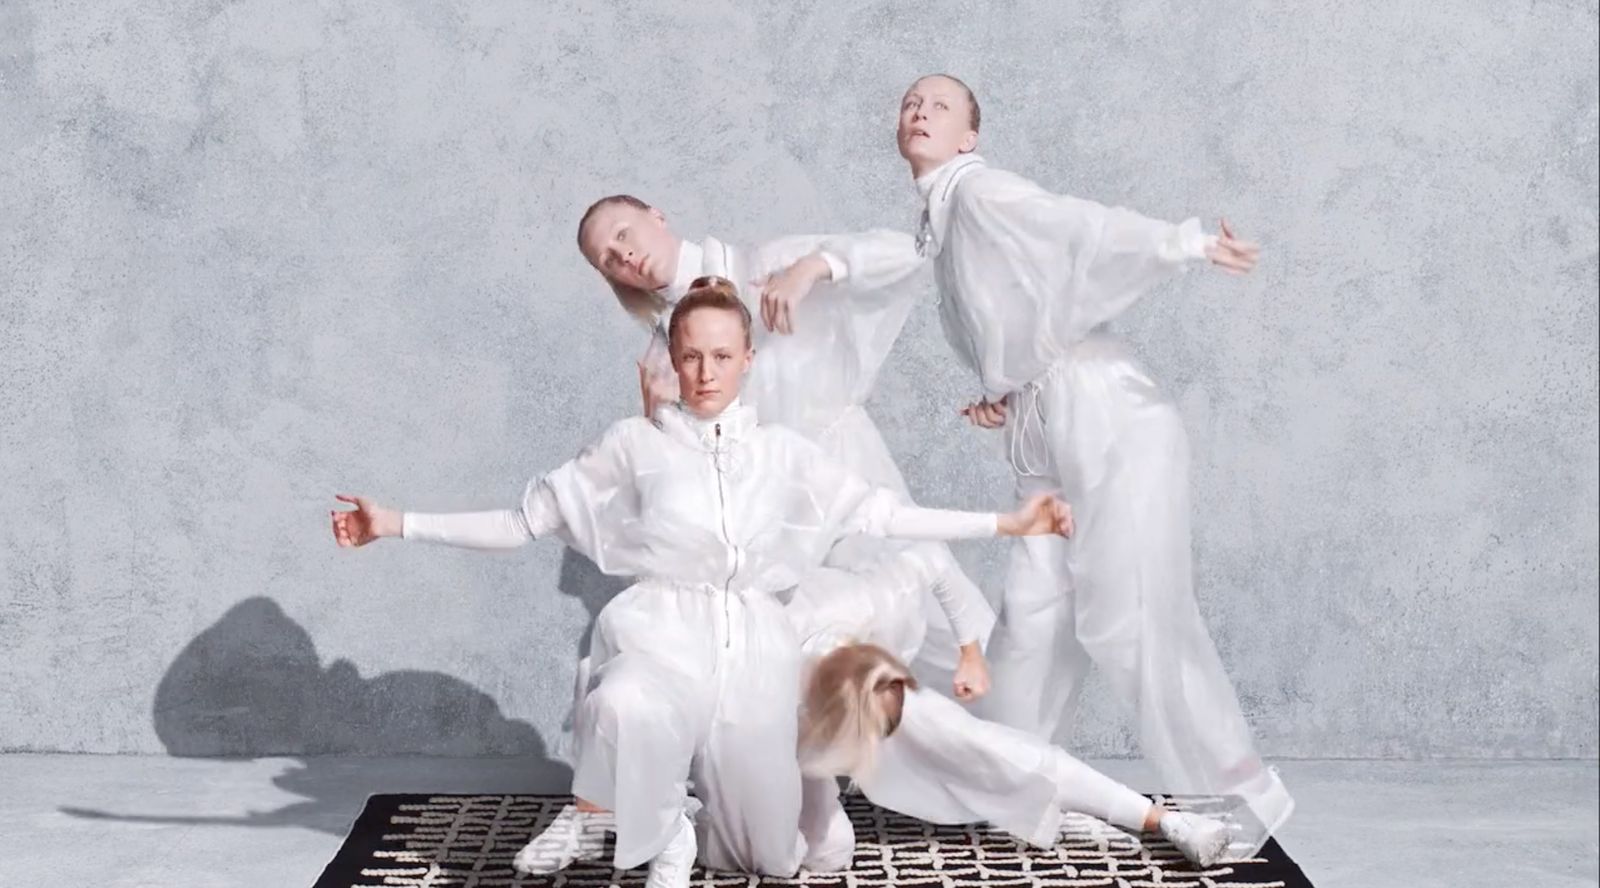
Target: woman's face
{"type": "Point", "coordinates": [630, 246]}
{"type": "Point", "coordinates": [711, 353]}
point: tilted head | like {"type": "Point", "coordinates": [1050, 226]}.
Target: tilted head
{"type": "Point", "coordinates": [709, 339]}
{"type": "Point", "coordinates": [939, 120]}
{"type": "Point", "coordinates": [630, 244]}
{"type": "Point", "coordinates": [854, 699]}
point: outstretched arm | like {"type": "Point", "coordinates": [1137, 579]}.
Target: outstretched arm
{"type": "Point", "coordinates": [592, 474]}
{"type": "Point", "coordinates": [858, 506]}
{"type": "Point", "coordinates": [884, 513]}
{"type": "Point", "coordinates": [1100, 259]}
{"type": "Point", "coordinates": [496, 529]}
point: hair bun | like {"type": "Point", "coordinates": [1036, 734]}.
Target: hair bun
{"type": "Point", "coordinates": [711, 283]}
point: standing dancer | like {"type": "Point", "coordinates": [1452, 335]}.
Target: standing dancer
{"type": "Point", "coordinates": [697, 665]}
{"type": "Point", "coordinates": [1026, 280]}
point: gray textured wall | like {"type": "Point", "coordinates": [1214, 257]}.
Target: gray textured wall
{"type": "Point", "coordinates": [255, 253]}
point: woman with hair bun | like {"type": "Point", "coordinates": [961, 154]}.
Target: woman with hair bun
{"type": "Point", "coordinates": [697, 665]}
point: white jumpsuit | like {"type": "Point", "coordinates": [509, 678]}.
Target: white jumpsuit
{"type": "Point", "coordinates": [696, 666]}
{"type": "Point", "coordinates": [816, 380]}
{"type": "Point", "coordinates": [1026, 280]}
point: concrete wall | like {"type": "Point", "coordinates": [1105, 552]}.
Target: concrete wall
{"type": "Point", "coordinates": [255, 253]}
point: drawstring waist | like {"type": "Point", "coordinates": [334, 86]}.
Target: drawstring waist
{"type": "Point", "coordinates": [1029, 446]}
{"type": "Point", "coordinates": [1094, 409]}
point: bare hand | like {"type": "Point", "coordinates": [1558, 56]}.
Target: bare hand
{"type": "Point", "coordinates": [972, 675]}
{"type": "Point", "coordinates": [367, 522]}
{"type": "Point", "coordinates": [781, 292]}
{"type": "Point", "coordinates": [987, 414]}
{"type": "Point", "coordinates": [1042, 514]}
{"type": "Point", "coordinates": [1231, 254]}
{"type": "Point", "coordinates": [654, 391]}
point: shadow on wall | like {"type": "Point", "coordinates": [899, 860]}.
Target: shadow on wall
{"type": "Point", "coordinates": [580, 579]}
{"type": "Point", "coordinates": [252, 686]}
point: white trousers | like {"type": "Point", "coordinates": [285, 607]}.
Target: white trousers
{"type": "Point", "coordinates": [947, 766]}
{"type": "Point", "coordinates": [1119, 595]}
{"type": "Point", "coordinates": [686, 683]}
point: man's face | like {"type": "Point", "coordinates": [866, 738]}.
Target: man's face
{"type": "Point", "coordinates": [935, 123]}
{"type": "Point", "coordinates": [630, 246]}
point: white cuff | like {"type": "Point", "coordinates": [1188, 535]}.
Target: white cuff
{"type": "Point", "coordinates": [836, 266]}
{"type": "Point", "coordinates": [1187, 242]}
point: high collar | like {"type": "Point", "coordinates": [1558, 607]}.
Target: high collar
{"type": "Point", "coordinates": [941, 175]}
{"type": "Point", "coordinates": [936, 188]}
{"type": "Point", "coordinates": [733, 424]}
{"type": "Point", "coordinates": [691, 258]}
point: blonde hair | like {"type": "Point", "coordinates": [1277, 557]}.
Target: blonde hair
{"type": "Point", "coordinates": [853, 700]}
{"type": "Point", "coordinates": [642, 305]}
{"type": "Point", "coordinates": [711, 292]}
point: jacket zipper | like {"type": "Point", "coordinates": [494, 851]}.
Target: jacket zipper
{"type": "Point", "coordinates": [722, 515]}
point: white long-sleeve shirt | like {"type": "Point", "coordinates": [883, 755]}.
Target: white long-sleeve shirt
{"type": "Point", "coordinates": [1025, 274]}
{"type": "Point", "coordinates": [723, 501]}
{"type": "Point", "coordinates": [814, 378]}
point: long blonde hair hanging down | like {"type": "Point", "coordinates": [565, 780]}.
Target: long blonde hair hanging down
{"type": "Point", "coordinates": [854, 699]}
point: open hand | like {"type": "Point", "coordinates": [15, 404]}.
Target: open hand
{"type": "Point", "coordinates": [781, 292]}
{"type": "Point", "coordinates": [367, 522]}
{"type": "Point", "coordinates": [654, 391]}
{"type": "Point", "coordinates": [1231, 254]}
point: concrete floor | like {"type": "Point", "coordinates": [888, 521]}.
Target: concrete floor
{"type": "Point", "coordinates": [116, 821]}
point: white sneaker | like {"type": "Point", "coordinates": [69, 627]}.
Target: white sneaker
{"type": "Point", "coordinates": [573, 835]}
{"type": "Point", "coordinates": [1201, 839]}
{"type": "Point", "coordinates": [671, 868]}
{"type": "Point", "coordinates": [832, 851]}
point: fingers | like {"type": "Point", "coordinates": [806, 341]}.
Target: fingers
{"type": "Point", "coordinates": [768, 306]}
{"type": "Point", "coordinates": [348, 498]}
{"type": "Point", "coordinates": [985, 414]}
{"type": "Point", "coordinates": [1232, 255]}
{"type": "Point", "coordinates": [785, 326]}
{"type": "Point", "coordinates": [1229, 261]}
{"type": "Point", "coordinates": [341, 533]}
{"type": "Point", "coordinates": [978, 413]}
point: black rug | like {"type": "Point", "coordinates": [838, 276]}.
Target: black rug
{"type": "Point", "coordinates": [468, 841]}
